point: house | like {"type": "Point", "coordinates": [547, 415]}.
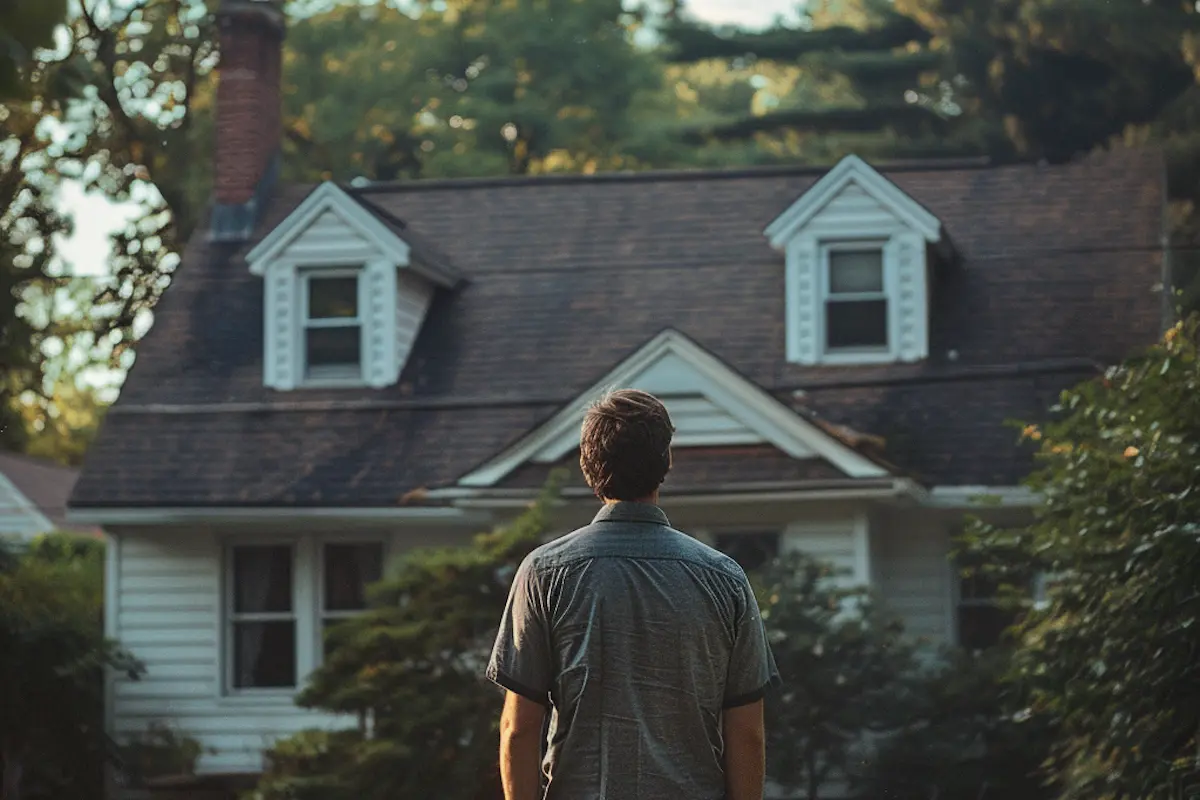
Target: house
{"type": "Point", "coordinates": [33, 497]}
{"type": "Point", "coordinates": [340, 373]}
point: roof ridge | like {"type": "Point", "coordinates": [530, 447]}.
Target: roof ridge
{"type": "Point", "coordinates": [665, 175]}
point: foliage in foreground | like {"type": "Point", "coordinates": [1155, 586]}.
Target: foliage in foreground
{"type": "Point", "coordinates": [1108, 662]}
{"type": "Point", "coordinates": [52, 659]}
{"type": "Point", "coordinates": [410, 669]}
{"type": "Point", "coordinates": [847, 669]}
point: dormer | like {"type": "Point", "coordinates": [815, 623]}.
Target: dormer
{"type": "Point", "coordinates": [345, 290]}
{"type": "Point", "coordinates": [857, 253]}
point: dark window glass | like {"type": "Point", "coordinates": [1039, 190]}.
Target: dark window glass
{"type": "Point", "coordinates": [262, 579]}
{"type": "Point", "coordinates": [264, 655]}
{"type": "Point", "coordinates": [349, 569]}
{"type": "Point", "coordinates": [856, 323]}
{"type": "Point", "coordinates": [332, 298]}
{"type": "Point", "coordinates": [750, 550]}
{"type": "Point", "coordinates": [855, 271]}
{"type": "Point", "coordinates": [326, 347]}
{"type": "Point", "coordinates": [982, 626]}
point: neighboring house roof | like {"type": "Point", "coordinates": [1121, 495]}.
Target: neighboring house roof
{"type": "Point", "coordinates": [564, 278]}
{"type": "Point", "coordinates": [33, 495]}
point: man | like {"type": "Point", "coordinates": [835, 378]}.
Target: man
{"type": "Point", "coordinates": [646, 645]}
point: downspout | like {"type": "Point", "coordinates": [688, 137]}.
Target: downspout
{"type": "Point", "coordinates": [1167, 270]}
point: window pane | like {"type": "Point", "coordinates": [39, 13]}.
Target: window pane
{"type": "Point", "coordinates": [349, 569]}
{"type": "Point", "coordinates": [331, 298]}
{"type": "Point", "coordinates": [981, 627]}
{"type": "Point", "coordinates": [751, 551]}
{"type": "Point", "coordinates": [853, 271]}
{"type": "Point", "coordinates": [262, 579]}
{"type": "Point", "coordinates": [264, 655]}
{"type": "Point", "coordinates": [859, 323]}
{"type": "Point", "coordinates": [326, 347]}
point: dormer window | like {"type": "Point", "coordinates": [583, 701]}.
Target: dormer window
{"type": "Point", "coordinates": [346, 287]}
{"type": "Point", "coordinates": [857, 270]}
{"type": "Point", "coordinates": [333, 326]}
{"type": "Point", "coordinates": [856, 301]}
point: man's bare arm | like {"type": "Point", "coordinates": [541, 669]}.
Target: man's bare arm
{"type": "Point", "coordinates": [745, 751]}
{"type": "Point", "coordinates": [521, 747]}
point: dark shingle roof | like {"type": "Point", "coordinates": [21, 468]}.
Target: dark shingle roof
{"type": "Point", "coordinates": [566, 277]}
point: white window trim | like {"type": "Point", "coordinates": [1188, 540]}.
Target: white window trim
{"type": "Point", "coordinates": [229, 618]}
{"type": "Point", "coordinates": [308, 589]}
{"type": "Point", "coordinates": [305, 274]}
{"type": "Point", "coordinates": [864, 355]}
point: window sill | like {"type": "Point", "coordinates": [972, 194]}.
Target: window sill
{"type": "Point", "coordinates": [858, 358]}
{"type": "Point", "coordinates": [333, 383]}
{"type": "Point", "coordinates": [260, 697]}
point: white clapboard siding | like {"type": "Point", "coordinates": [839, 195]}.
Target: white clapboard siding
{"type": "Point", "coordinates": [851, 212]}
{"type": "Point", "coordinates": [413, 295]}
{"type": "Point", "coordinates": [832, 541]}
{"type": "Point", "coordinates": [331, 240]}
{"type": "Point", "coordinates": [911, 555]}
{"type": "Point", "coordinates": [699, 422]}
{"type": "Point", "coordinates": [168, 615]}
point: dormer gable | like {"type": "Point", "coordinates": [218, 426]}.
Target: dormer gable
{"type": "Point", "coordinates": [857, 254]}
{"type": "Point", "coordinates": [345, 292]}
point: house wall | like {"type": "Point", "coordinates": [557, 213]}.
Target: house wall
{"type": "Point", "coordinates": [165, 598]}
{"type": "Point", "coordinates": [912, 571]}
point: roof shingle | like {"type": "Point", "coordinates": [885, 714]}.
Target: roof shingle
{"type": "Point", "coordinates": [566, 277]}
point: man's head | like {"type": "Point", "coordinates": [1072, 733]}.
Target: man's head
{"type": "Point", "coordinates": [625, 446]}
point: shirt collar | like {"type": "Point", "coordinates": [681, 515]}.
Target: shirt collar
{"type": "Point", "coordinates": [623, 511]}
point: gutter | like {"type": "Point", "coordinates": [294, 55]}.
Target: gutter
{"type": "Point", "coordinates": [432, 515]}
{"type": "Point", "coordinates": [728, 494]}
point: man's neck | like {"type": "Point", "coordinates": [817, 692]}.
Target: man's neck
{"type": "Point", "coordinates": [651, 500]}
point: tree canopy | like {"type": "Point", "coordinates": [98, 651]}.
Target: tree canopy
{"type": "Point", "coordinates": [52, 657]}
{"type": "Point", "coordinates": [1109, 662]}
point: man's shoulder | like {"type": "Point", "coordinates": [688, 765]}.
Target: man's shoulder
{"type": "Point", "coordinates": [586, 542]}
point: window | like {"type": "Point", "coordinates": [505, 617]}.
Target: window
{"type": "Point", "coordinates": [752, 551]}
{"type": "Point", "coordinates": [332, 326]}
{"type": "Point", "coordinates": [856, 303]}
{"type": "Point", "coordinates": [262, 617]}
{"type": "Point", "coordinates": [349, 568]}
{"type": "Point", "coordinates": [980, 619]}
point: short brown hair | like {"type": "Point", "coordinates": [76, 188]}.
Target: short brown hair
{"type": "Point", "coordinates": [625, 445]}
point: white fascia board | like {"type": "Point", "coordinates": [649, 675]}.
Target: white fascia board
{"type": "Point", "coordinates": [884, 192]}
{"type": "Point", "coordinates": [778, 424]}
{"type": "Point", "coordinates": [982, 497]}
{"type": "Point", "coordinates": [217, 514]}
{"type": "Point", "coordinates": [327, 197]}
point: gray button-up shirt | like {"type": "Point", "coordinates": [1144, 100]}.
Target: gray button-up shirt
{"type": "Point", "coordinates": [637, 636]}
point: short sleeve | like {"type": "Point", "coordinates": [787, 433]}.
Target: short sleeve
{"type": "Point", "coordinates": [752, 667]}
{"type": "Point", "coordinates": [521, 660]}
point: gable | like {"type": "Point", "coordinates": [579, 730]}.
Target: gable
{"type": "Point", "coordinates": [853, 199]}
{"type": "Point", "coordinates": [710, 404]}
{"type": "Point", "coordinates": [18, 515]}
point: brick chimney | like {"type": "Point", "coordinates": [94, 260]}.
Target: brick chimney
{"type": "Point", "coordinates": [248, 124]}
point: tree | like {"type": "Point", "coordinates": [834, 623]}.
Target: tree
{"type": "Point", "coordinates": [24, 27]}
{"type": "Point", "coordinates": [482, 89]}
{"type": "Point", "coordinates": [862, 65]}
{"type": "Point", "coordinates": [846, 668]}
{"type": "Point", "coordinates": [963, 739]}
{"type": "Point", "coordinates": [52, 660]}
{"type": "Point", "coordinates": [1109, 662]}
{"type": "Point", "coordinates": [410, 670]}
